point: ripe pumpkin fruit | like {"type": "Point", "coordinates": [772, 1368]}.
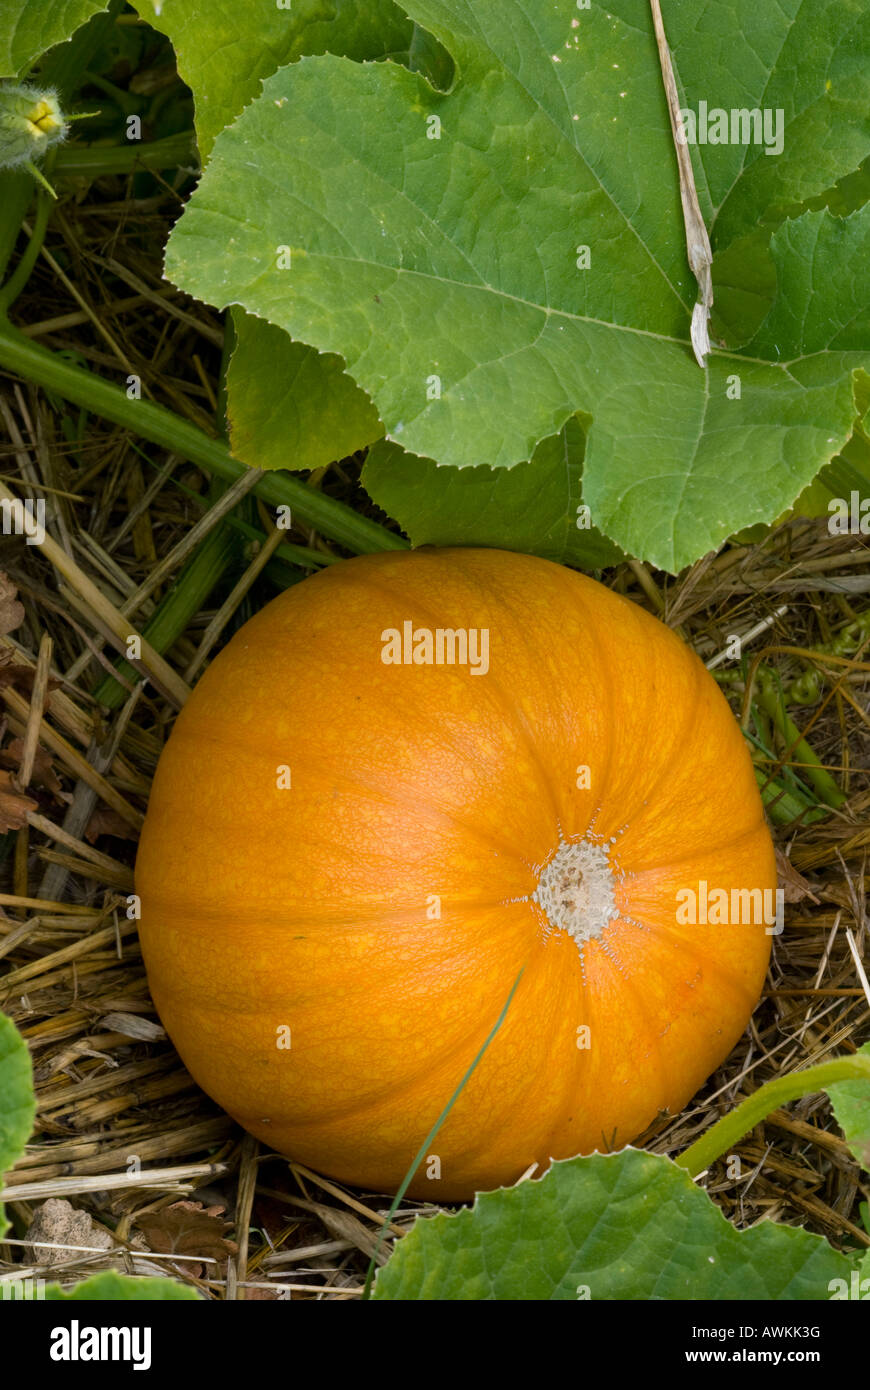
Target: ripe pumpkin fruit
{"type": "Point", "coordinates": [349, 858]}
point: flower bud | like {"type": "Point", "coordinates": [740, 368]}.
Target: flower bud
{"type": "Point", "coordinates": [31, 121]}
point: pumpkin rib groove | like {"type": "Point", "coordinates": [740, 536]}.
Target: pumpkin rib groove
{"type": "Point", "coordinates": [373, 914]}
{"type": "Point", "coordinates": [602, 671]}
{"type": "Point", "coordinates": [588, 1064]}
{"type": "Point", "coordinates": [629, 982]}
{"type": "Point", "coordinates": [756, 830]}
{"type": "Point", "coordinates": [519, 719]}
{"type": "Point", "coordinates": [528, 1085]}
{"type": "Point", "coordinates": [502, 848]}
{"type": "Point", "coordinates": [597, 1064]}
{"type": "Point", "coordinates": [610, 677]}
{"type": "Point", "coordinates": [445, 814]}
{"type": "Point", "coordinates": [568, 707]}
{"type": "Point", "coordinates": [530, 942]}
{"type": "Point", "coordinates": [666, 762]}
{"type": "Point", "coordinates": [448, 815]}
{"type": "Point", "coordinates": [711, 964]}
{"type": "Point", "coordinates": [511, 714]}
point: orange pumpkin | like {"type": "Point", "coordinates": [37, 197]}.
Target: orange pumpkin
{"type": "Point", "coordinates": [355, 846]}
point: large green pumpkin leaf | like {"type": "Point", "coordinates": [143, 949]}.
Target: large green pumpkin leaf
{"type": "Point", "coordinates": [805, 61]}
{"type": "Point", "coordinates": [535, 507]}
{"type": "Point", "coordinates": [630, 1225]}
{"type": "Point", "coordinates": [436, 235]}
{"type": "Point", "coordinates": [225, 49]}
{"type": "Point", "coordinates": [744, 274]}
{"type": "Point", "coordinates": [288, 406]}
{"type": "Point", "coordinates": [823, 304]}
{"type": "Point", "coordinates": [109, 1287]}
{"type": "Point", "coordinates": [851, 1105]}
{"type": "Point", "coordinates": [17, 1105]}
{"type": "Point", "coordinates": [28, 28]}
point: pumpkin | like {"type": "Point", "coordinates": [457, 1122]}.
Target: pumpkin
{"type": "Point", "coordinates": [410, 782]}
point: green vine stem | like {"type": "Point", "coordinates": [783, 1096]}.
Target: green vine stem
{"type": "Point", "coordinates": [726, 1133]}
{"type": "Point", "coordinates": [153, 422]}
{"type": "Point", "coordinates": [287, 552]}
{"type": "Point", "coordinates": [784, 804]}
{"type": "Point", "coordinates": [27, 260]}
{"type": "Point", "coordinates": [848, 641]}
{"type": "Point", "coordinates": [786, 798]}
{"type": "Point", "coordinates": [805, 689]}
{"type": "Point", "coordinates": [172, 615]}
{"type": "Point", "coordinates": [92, 161]}
{"type": "Point", "coordinates": [772, 701]}
{"type": "Point", "coordinates": [18, 190]}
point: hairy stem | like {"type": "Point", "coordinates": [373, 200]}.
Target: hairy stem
{"type": "Point", "coordinates": [91, 161]}
{"type": "Point", "coordinates": [728, 1131]}
{"type": "Point", "coordinates": [27, 260]}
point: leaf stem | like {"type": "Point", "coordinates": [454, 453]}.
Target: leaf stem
{"type": "Point", "coordinates": [153, 422]}
{"type": "Point", "coordinates": [782, 803]}
{"type": "Point", "coordinates": [175, 610]}
{"type": "Point", "coordinates": [727, 1132]}
{"type": "Point", "coordinates": [92, 161]}
{"type": "Point", "coordinates": [27, 260]}
{"type": "Point", "coordinates": [18, 188]}
{"type": "Point", "coordinates": [772, 701]}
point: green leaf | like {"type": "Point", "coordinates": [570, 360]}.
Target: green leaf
{"type": "Point", "coordinates": [744, 275]}
{"type": "Point", "coordinates": [225, 48]}
{"type": "Point", "coordinates": [744, 287]}
{"type": "Point", "coordinates": [457, 257]}
{"type": "Point", "coordinates": [849, 471]}
{"type": "Point", "coordinates": [28, 28]}
{"type": "Point", "coordinates": [109, 1287]}
{"type": "Point", "coordinates": [630, 1225]}
{"type": "Point", "coordinates": [17, 1105]}
{"type": "Point", "coordinates": [822, 305]}
{"type": "Point", "coordinates": [288, 405]}
{"type": "Point", "coordinates": [534, 507]}
{"type": "Point", "coordinates": [807, 61]}
{"type": "Point", "coordinates": [851, 1104]}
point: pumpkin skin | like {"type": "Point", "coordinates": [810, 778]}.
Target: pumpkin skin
{"type": "Point", "coordinates": [419, 788]}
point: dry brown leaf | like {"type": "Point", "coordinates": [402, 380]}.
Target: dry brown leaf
{"type": "Point", "coordinates": [43, 774]}
{"type": "Point", "coordinates": [187, 1228]}
{"type": "Point", "coordinates": [105, 821]}
{"type": "Point", "coordinates": [794, 886]}
{"type": "Point", "coordinates": [11, 611]}
{"type": "Point", "coordinates": [14, 805]}
{"type": "Point", "coordinates": [15, 675]}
